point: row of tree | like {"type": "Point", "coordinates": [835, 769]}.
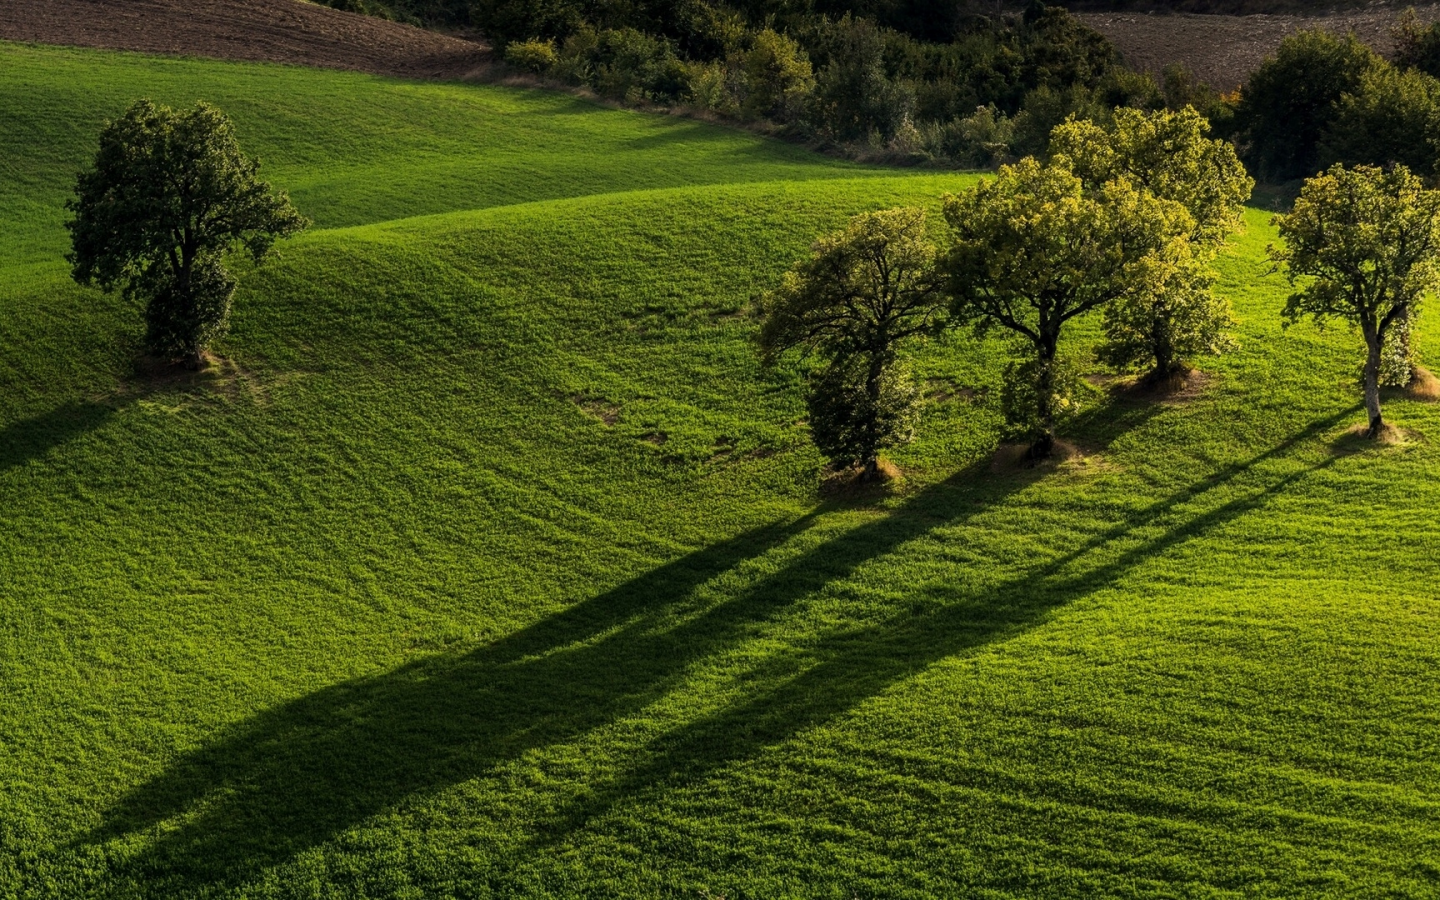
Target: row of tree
{"type": "Point", "coordinates": [1122, 221]}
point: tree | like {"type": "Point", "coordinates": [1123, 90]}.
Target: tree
{"type": "Point", "coordinates": [1169, 154]}
{"type": "Point", "coordinates": [778, 79]}
{"type": "Point", "coordinates": [1290, 101]}
{"type": "Point", "coordinates": [1032, 250]}
{"type": "Point", "coordinates": [1387, 119]}
{"type": "Point", "coordinates": [1366, 239]}
{"type": "Point", "coordinates": [171, 193]}
{"type": "Point", "coordinates": [863, 293]}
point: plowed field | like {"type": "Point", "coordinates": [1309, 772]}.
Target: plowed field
{"type": "Point", "coordinates": [284, 31]}
{"type": "Point", "coordinates": [1224, 50]}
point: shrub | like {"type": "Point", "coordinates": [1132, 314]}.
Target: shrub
{"type": "Point", "coordinates": [777, 77]}
{"type": "Point", "coordinates": [535, 56]}
{"type": "Point", "coordinates": [980, 139]}
{"type": "Point", "coordinates": [1291, 100]}
{"type": "Point", "coordinates": [1386, 120]}
{"type": "Point", "coordinates": [854, 97]}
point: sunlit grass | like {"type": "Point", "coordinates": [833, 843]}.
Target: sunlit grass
{"type": "Point", "coordinates": [490, 563]}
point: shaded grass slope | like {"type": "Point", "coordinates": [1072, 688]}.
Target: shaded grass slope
{"type": "Point", "coordinates": [488, 562]}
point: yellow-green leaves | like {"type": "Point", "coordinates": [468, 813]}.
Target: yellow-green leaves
{"type": "Point", "coordinates": [1169, 154]}
{"type": "Point", "coordinates": [1367, 237]}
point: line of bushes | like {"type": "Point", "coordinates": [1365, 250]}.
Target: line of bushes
{"type": "Point", "coordinates": [993, 92]}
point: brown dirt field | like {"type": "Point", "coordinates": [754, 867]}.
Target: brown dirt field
{"type": "Point", "coordinates": [1223, 50]}
{"type": "Point", "coordinates": [283, 31]}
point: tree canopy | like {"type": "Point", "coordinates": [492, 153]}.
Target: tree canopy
{"type": "Point", "coordinates": [169, 195]}
{"type": "Point", "coordinates": [1032, 249]}
{"type": "Point", "coordinates": [1170, 155]}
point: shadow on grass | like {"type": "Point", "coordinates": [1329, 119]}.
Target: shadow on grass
{"type": "Point", "coordinates": [32, 438]}
{"type": "Point", "coordinates": [300, 774]}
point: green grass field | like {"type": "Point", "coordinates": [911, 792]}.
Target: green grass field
{"type": "Point", "coordinates": [489, 563]}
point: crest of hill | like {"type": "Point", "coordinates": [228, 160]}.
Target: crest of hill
{"type": "Point", "coordinates": [282, 31]}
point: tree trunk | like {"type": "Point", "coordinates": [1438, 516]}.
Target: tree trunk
{"type": "Point", "coordinates": [1374, 343]}
{"type": "Point", "coordinates": [871, 470]}
{"type": "Point", "coordinates": [873, 375]}
{"type": "Point", "coordinates": [1166, 364]}
{"type": "Point", "coordinates": [1044, 442]}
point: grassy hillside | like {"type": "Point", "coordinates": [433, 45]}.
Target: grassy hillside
{"type": "Point", "coordinates": [489, 563]}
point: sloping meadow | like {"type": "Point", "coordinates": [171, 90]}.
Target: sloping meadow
{"type": "Point", "coordinates": [487, 560]}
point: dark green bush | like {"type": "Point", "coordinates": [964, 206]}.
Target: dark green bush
{"type": "Point", "coordinates": [1386, 120]}
{"type": "Point", "coordinates": [1291, 101]}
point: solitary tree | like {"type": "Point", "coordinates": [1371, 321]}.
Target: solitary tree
{"type": "Point", "coordinates": [1171, 155]}
{"type": "Point", "coordinates": [861, 295]}
{"type": "Point", "coordinates": [1366, 240]}
{"type": "Point", "coordinates": [171, 193]}
{"type": "Point", "coordinates": [1032, 250]}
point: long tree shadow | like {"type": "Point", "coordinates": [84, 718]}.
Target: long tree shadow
{"type": "Point", "coordinates": [36, 436]}
{"type": "Point", "coordinates": [302, 773]}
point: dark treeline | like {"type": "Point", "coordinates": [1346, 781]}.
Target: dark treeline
{"type": "Point", "coordinates": [969, 83]}
{"type": "Point", "coordinates": [964, 82]}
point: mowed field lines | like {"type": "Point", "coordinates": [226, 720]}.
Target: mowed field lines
{"type": "Point", "coordinates": [488, 562]}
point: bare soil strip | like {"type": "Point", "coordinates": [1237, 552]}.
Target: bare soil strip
{"type": "Point", "coordinates": [1224, 50]}
{"type": "Point", "coordinates": [283, 31]}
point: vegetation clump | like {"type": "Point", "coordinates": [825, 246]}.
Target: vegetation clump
{"type": "Point", "coordinates": [169, 195]}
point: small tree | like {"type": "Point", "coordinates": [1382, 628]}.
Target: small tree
{"type": "Point", "coordinates": [862, 294]}
{"type": "Point", "coordinates": [1171, 155]}
{"type": "Point", "coordinates": [1367, 238]}
{"type": "Point", "coordinates": [171, 193]}
{"type": "Point", "coordinates": [778, 78]}
{"type": "Point", "coordinates": [1032, 250]}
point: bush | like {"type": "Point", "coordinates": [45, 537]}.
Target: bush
{"type": "Point", "coordinates": [534, 56]}
{"type": "Point", "coordinates": [624, 64]}
{"type": "Point", "coordinates": [854, 97]}
{"type": "Point", "coordinates": [1387, 120]}
{"type": "Point", "coordinates": [777, 77]}
{"type": "Point", "coordinates": [1291, 100]}
{"type": "Point", "coordinates": [980, 139]}
{"type": "Point", "coordinates": [848, 425]}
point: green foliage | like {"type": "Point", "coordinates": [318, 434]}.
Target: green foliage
{"type": "Point", "coordinates": [1417, 46]}
{"type": "Point", "coordinates": [1170, 155]}
{"type": "Point", "coordinates": [855, 414]}
{"type": "Point", "coordinates": [169, 196]}
{"type": "Point", "coordinates": [538, 57]}
{"type": "Point", "coordinates": [1365, 241]}
{"type": "Point", "coordinates": [1031, 384]}
{"type": "Point", "coordinates": [841, 73]}
{"type": "Point", "coordinates": [1386, 120]}
{"type": "Point", "coordinates": [1290, 101]}
{"type": "Point", "coordinates": [1033, 249]}
{"type": "Point", "coordinates": [855, 98]}
{"type": "Point", "coordinates": [980, 139]}
{"type": "Point", "coordinates": [778, 80]}
{"type": "Point", "coordinates": [863, 294]}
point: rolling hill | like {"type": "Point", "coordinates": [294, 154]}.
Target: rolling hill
{"type": "Point", "coordinates": [488, 562]}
